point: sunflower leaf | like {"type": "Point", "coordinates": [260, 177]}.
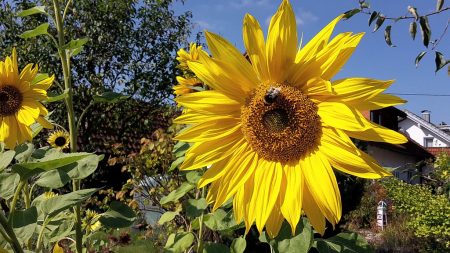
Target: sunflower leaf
{"type": "Point", "coordinates": [195, 207]}
{"type": "Point", "coordinates": [238, 245]}
{"type": "Point", "coordinates": [57, 204]}
{"type": "Point", "coordinates": [40, 30]}
{"type": "Point", "coordinates": [179, 242]}
{"type": "Point", "coordinates": [6, 158]}
{"type": "Point", "coordinates": [32, 11]}
{"type": "Point", "coordinates": [8, 183]}
{"type": "Point", "coordinates": [343, 242]}
{"type": "Point", "coordinates": [118, 215]}
{"type": "Point", "coordinates": [52, 97]}
{"type": "Point", "coordinates": [24, 223]}
{"type": "Point", "coordinates": [215, 248]}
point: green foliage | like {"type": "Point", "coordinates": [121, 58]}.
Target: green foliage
{"type": "Point", "coordinates": [427, 213]}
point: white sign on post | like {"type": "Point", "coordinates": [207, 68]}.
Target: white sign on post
{"type": "Point", "coordinates": [382, 214]}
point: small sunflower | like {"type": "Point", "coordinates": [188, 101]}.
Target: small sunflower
{"type": "Point", "coordinates": [59, 139]}
{"type": "Point", "coordinates": [186, 85]}
{"type": "Point", "coordinates": [183, 57]}
{"type": "Point", "coordinates": [91, 221]}
{"type": "Point", "coordinates": [20, 101]}
{"type": "Point", "coordinates": [273, 128]}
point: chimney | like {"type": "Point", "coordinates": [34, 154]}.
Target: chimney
{"type": "Point", "coordinates": [426, 115]}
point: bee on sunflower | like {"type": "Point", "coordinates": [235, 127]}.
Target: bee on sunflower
{"type": "Point", "coordinates": [59, 139]}
{"type": "Point", "coordinates": [273, 128]}
{"type": "Point", "coordinates": [20, 101]}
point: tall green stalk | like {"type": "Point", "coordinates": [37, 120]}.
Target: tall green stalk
{"type": "Point", "coordinates": [15, 245]}
{"type": "Point", "coordinates": [65, 62]}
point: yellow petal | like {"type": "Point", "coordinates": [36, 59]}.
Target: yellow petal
{"type": "Point", "coordinates": [44, 123]}
{"type": "Point", "coordinates": [256, 48]}
{"type": "Point", "coordinates": [318, 42]}
{"type": "Point", "coordinates": [210, 130]}
{"type": "Point", "coordinates": [274, 222]}
{"type": "Point", "coordinates": [312, 211]}
{"type": "Point", "coordinates": [226, 52]}
{"type": "Point", "coordinates": [342, 116]}
{"type": "Point", "coordinates": [266, 185]}
{"type": "Point", "coordinates": [281, 42]}
{"type": "Point", "coordinates": [346, 157]}
{"type": "Point", "coordinates": [292, 203]}
{"type": "Point", "coordinates": [239, 170]}
{"type": "Point", "coordinates": [193, 117]}
{"type": "Point", "coordinates": [316, 168]}
{"type": "Point", "coordinates": [379, 134]}
{"type": "Point", "coordinates": [378, 102]}
{"type": "Point", "coordinates": [357, 90]}
{"type": "Point", "coordinates": [206, 153]}
{"type": "Point", "coordinates": [210, 102]}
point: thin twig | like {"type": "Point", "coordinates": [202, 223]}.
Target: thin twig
{"type": "Point", "coordinates": [442, 35]}
{"type": "Point", "coordinates": [410, 17]}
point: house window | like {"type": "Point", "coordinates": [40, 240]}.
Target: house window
{"type": "Point", "coordinates": [428, 142]}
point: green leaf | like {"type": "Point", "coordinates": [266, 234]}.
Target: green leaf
{"type": "Point", "coordinates": [167, 216]}
{"type": "Point", "coordinates": [6, 158]}
{"type": "Point", "coordinates": [57, 204]}
{"type": "Point", "coordinates": [24, 223]}
{"type": "Point", "coordinates": [373, 16]}
{"type": "Point", "coordinates": [210, 247]}
{"type": "Point", "coordinates": [40, 30]}
{"type": "Point", "coordinates": [176, 163]}
{"type": "Point", "coordinates": [179, 242]}
{"type": "Point", "coordinates": [84, 167]}
{"type": "Point", "coordinates": [387, 36]}
{"type": "Point", "coordinates": [49, 162]}
{"type": "Point", "coordinates": [220, 220]}
{"type": "Point", "coordinates": [193, 176]}
{"type": "Point", "coordinates": [109, 97]}
{"type": "Point", "coordinates": [238, 245]}
{"type": "Point", "coordinates": [118, 215]}
{"type": "Point", "coordinates": [379, 22]}
{"type": "Point", "coordinates": [413, 30]}
{"type": "Point", "coordinates": [74, 44]}
{"type": "Point", "coordinates": [177, 193]}
{"type": "Point", "coordinates": [53, 179]}
{"type": "Point", "coordinates": [343, 242]}
{"type": "Point", "coordinates": [440, 61]}
{"type": "Point", "coordinates": [195, 207]}
{"type": "Point", "coordinates": [32, 11]}
{"type": "Point", "coordinates": [301, 242]}
{"type": "Point", "coordinates": [8, 183]}
{"type": "Point", "coordinates": [351, 13]}
{"type": "Point", "coordinates": [24, 152]}
{"type": "Point", "coordinates": [39, 77]}
{"type": "Point", "coordinates": [425, 30]}
{"type": "Point", "coordinates": [52, 97]}
{"type": "Point", "coordinates": [61, 228]}
{"type": "Point", "coordinates": [419, 57]}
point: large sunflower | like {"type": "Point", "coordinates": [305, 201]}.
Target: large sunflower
{"type": "Point", "coordinates": [272, 128]}
{"type": "Point", "coordinates": [20, 104]}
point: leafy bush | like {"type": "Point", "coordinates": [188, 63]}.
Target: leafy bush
{"type": "Point", "coordinates": [428, 214]}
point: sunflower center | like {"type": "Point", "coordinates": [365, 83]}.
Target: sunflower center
{"type": "Point", "coordinates": [10, 100]}
{"type": "Point", "coordinates": [60, 141]}
{"type": "Point", "coordinates": [281, 123]}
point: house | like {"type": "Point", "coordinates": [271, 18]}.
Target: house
{"type": "Point", "coordinates": [407, 159]}
{"type": "Point", "coordinates": [434, 138]}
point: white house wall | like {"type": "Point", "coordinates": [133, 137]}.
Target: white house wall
{"type": "Point", "coordinates": [419, 133]}
{"type": "Point", "coordinates": [404, 163]}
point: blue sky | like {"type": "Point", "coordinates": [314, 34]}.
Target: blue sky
{"type": "Point", "coordinates": [373, 58]}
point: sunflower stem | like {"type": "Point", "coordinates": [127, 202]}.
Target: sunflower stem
{"type": "Point", "coordinates": [15, 245]}
{"type": "Point", "coordinates": [65, 62]}
{"type": "Point", "coordinates": [15, 199]}
{"type": "Point", "coordinates": [200, 229]}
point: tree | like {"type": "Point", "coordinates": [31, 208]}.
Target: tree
{"type": "Point", "coordinates": [418, 21]}
{"type": "Point", "coordinates": [131, 47]}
